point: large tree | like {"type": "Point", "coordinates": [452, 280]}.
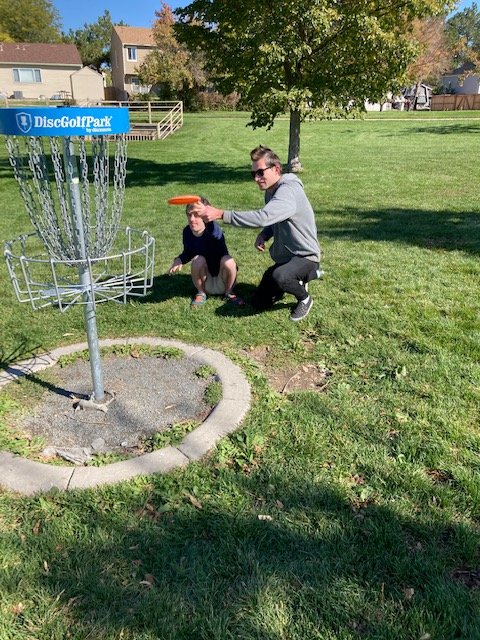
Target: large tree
{"type": "Point", "coordinates": [171, 66]}
{"type": "Point", "coordinates": [464, 30]}
{"type": "Point", "coordinates": [93, 41]}
{"type": "Point", "coordinates": [313, 58]}
{"type": "Point", "coordinates": [435, 52]}
{"type": "Point", "coordinates": [29, 21]}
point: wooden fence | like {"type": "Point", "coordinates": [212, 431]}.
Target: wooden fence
{"type": "Point", "coordinates": [455, 102]}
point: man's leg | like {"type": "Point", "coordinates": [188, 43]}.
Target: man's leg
{"type": "Point", "coordinates": [267, 292]}
{"type": "Point", "coordinates": [291, 277]}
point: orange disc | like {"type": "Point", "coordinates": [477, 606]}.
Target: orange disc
{"type": "Point", "coordinates": [184, 199]}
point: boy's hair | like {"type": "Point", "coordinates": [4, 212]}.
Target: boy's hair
{"type": "Point", "coordinates": [202, 200]}
{"type": "Point", "coordinates": [265, 153]}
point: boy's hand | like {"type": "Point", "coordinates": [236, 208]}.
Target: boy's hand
{"type": "Point", "coordinates": [176, 266]}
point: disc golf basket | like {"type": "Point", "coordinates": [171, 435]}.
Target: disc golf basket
{"type": "Point", "coordinates": [78, 254]}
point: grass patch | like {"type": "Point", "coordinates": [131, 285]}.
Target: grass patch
{"type": "Point", "coordinates": [351, 513]}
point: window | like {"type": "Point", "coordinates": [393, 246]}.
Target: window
{"type": "Point", "coordinates": [131, 53]}
{"type": "Point", "coordinates": [27, 75]}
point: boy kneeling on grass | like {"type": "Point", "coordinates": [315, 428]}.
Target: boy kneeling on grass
{"type": "Point", "coordinates": [213, 270]}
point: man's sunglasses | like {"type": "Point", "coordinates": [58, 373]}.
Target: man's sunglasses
{"type": "Point", "coordinates": [259, 172]}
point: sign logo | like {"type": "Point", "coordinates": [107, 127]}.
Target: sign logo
{"type": "Point", "coordinates": [64, 121]}
{"type": "Point", "coordinates": [24, 121]}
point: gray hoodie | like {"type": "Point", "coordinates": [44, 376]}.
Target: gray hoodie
{"type": "Point", "coordinates": [287, 216]}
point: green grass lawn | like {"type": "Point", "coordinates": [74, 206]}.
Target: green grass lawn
{"type": "Point", "coordinates": [351, 513]}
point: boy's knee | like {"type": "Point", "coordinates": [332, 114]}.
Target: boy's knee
{"type": "Point", "coordinates": [227, 262]}
{"type": "Point", "coordinates": [198, 261]}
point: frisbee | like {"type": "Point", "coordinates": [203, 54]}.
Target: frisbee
{"type": "Point", "coordinates": [184, 199]}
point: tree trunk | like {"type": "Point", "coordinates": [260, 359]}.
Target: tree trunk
{"type": "Point", "coordinates": [294, 164]}
{"type": "Point", "coordinates": [417, 92]}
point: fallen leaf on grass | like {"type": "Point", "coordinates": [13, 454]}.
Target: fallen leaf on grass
{"type": "Point", "coordinates": [17, 609]}
{"type": "Point", "coordinates": [409, 592]}
{"type": "Point", "coordinates": [265, 517]}
{"type": "Point", "coordinates": [148, 580]}
{"type": "Point", "coordinates": [194, 500]}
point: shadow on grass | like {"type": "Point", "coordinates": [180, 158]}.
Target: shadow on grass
{"type": "Point", "coordinates": [320, 566]}
{"type": "Point", "coordinates": [22, 352]}
{"type": "Point", "coordinates": [447, 230]}
{"type": "Point", "coordinates": [445, 129]}
{"type": "Point", "coordinates": [166, 287]}
{"type": "Point", "coordinates": [148, 172]}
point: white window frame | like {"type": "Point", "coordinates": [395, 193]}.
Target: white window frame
{"type": "Point", "coordinates": [35, 75]}
{"type": "Point", "coordinates": [132, 54]}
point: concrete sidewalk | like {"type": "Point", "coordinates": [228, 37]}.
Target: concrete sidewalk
{"type": "Point", "coordinates": [28, 477]}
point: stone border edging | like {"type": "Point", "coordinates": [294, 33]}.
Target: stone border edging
{"type": "Point", "coordinates": [29, 477]}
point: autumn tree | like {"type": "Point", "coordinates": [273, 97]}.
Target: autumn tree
{"type": "Point", "coordinates": [435, 52]}
{"type": "Point", "coordinates": [29, 21]}
{"type": "Point", "coordinates": [170, 66]}
{"type": "Point", "coordinates": [93, 41]}
{"type": "Point", "coordinates": [312, 58]}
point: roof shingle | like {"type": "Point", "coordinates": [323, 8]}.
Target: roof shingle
{"type": "Point", "coordinates": [39, 53]}
{"type": "Point", "coordinates": [135, 35]}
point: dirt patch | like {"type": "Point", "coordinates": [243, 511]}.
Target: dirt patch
{"type": "Point", "coordinates": [305, 377]}
{"type": "Point", "coordinates": [149, 396]}
{"type": "Point", "coordinates": [467, 578]}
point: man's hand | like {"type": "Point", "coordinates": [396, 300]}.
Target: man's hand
{"type": "Point", "coordinates": [206, 212]}
{"type": "Point", "coordinates": [260, 243]}
{"type": "Point", "coordinates": [176, 266]}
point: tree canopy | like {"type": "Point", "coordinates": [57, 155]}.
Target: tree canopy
{"type": "Point", "coordinates": [313, 58]}
{"type": "Point", "coordinates": [29, 21]}
{"type": "Point", "coordinates": [93, 41]}
{"type": "Point", "coordinates": [435, 51]}
{"type": "Point", "coordinates": [171, 67]}
{"type": "Point", "coordinates": [464, 28]}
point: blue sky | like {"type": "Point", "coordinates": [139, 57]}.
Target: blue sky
{"type": "Point", "coordinates": [136, 14]}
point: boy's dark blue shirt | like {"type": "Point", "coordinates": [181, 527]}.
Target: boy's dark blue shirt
{"type": "Point", "coordinates": [211, 245]}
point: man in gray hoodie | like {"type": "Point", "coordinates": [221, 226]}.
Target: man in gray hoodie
{"type": "Point", "coordinates": [288, 218]}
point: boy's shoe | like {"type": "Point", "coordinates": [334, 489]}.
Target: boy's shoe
{"type": "Point", "coordinates": [199, 300]}
{"type": "Point", "coordinates": [301, 310]}
{"type": "Point", "coordinates": [232, 298]}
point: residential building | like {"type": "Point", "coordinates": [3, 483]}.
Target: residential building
{"type": "Point", "coordinates": [129, 48]}
{"type": "Point", "coordinates": [35, 70]}
{"type": "Point", "coordinates": [461, 80]}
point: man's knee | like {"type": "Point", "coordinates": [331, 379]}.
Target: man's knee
{"type": "Point", "coordinates": [281, 278]}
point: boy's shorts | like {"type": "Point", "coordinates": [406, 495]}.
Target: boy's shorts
{"type": "Point", "coordinates": [214, 285]}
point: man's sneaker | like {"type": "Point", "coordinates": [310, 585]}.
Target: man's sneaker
{"type": "Point", "coordinates": [301, 310]}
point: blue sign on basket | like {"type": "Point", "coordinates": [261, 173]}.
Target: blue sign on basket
{"type": "Point", "coordinates": [64, 121]}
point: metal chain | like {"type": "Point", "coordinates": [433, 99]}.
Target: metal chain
{"type": "Point", "coordinates": [50, 211]}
